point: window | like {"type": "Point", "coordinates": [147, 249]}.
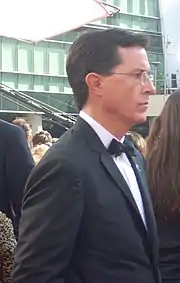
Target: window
{"type": "Point", "coordinates": [141, 23]}
{"type": "Point", "coordinates": [67, 88]}
{"type": "Point", "coordinates": [67, 36]}
{"type": "Point", "coordinates": [25, 57]}
{"type": "Point", "coordinates": [130, 6]}
{"type": "Point", "coordinates": [40, 58]}
{"type": "Point", "coordinates": [56, 85]}
{"type": "Point", "coordinates": [44, 97]}
{"type": "Point", "coordinates": [40, 83]}
{"type": "Point", "coordinates": [8, 55]}
{"type": "Point", "coordinates": [123, 5]}
{"type": "Point", "coordinates": [136, 7]}
{"type": "Point", "coordinates": [152, 57]}
{"type": "Point", "coordinates": [66, 50]}
{"type": "Point", "coordinates": [156, 44]}
{"type": "Point", "coordinates": [126, 21]}
{"type": "Point", "coordinates": [9, 104]}
{"type": "Point", "coordinates": [62, 102]}
{"type": "Point", "coordinates": [25, 82]}
{"type": "Point", "coordinates": [9, 80]}
{"type": "Point", "coordinates": [142, 7]}
{"type": "Point", "coordinates": [56, 59]}
{"type": "Point", "coordinates": [151, 8]}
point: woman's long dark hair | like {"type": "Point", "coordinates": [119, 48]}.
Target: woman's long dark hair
{"type": "Point", "coordinates": [163, 158]}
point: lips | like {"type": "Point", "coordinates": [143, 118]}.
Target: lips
{"type": "Point", "coordinates": [144, 104]}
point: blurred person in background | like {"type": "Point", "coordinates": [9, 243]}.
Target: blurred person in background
{"type": "Point", "coordinates": [7, 248]}
{"type": "Point", "coordinates": [38, 152]}
{"type": "Point", "coordinates": [138, 141]}
{"type": "Point", "coordinates": [42, 137]}
{"type": "Point", "coordinates": [26, 128]}
{"type": "Point", "coordinates": [163, 164]}
{"type": "Point", "coordinates": [16, 163]}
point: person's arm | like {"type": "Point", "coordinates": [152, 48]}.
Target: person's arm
{"type": "Point", "coordinates": [51, 216]}
{"type": "Point", "coordinates": [18, 165]}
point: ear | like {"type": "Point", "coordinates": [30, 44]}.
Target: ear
{"type": "Point", "coordinates": [94, 83]}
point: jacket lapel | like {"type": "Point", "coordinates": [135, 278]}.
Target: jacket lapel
{"type": "Point", "coordinates": [148, 208]}
{"type": "Point", "coordinates": [114, 172]}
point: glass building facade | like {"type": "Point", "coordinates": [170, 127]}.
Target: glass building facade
{"type": "Point", "coordinates": [39, 69]}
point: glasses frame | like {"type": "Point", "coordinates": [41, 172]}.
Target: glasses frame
{"type": "Point", "coordinates": [144, 76]}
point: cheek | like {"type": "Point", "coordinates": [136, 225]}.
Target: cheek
{"type": "Point", "coordinates": [122, 96]}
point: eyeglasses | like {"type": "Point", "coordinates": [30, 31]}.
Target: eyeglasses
{"type": "Point", "coordinates": [143, 77]}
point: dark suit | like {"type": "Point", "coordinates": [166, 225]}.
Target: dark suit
{"type": "Point", "coordinates": [16, 164]}
{"type": "Point", "coordinates": [80, 223]}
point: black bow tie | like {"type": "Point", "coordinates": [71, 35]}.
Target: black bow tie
{"type": "Point", "coordinates": [116, 148]}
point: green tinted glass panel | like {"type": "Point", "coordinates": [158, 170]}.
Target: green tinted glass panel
{"type": "Point", "coordinates": [123, 5]}
{"type": "Point", "coordinates": [156, 44]}
{"type": "Point", "coordinates": [151, 8]}
{"type": "Point", "coordinates": [8, 104]}
{"type": "Point", "coordinates": [153, 57]}
{"type": "Point", "coordinates": [8, 54]}
{"type": "Point", "coordinates": [9, 80]}
{"type": "Point", "coordinates": [67, 88]}
{"type": "Point", "coordinates": [56, 55]}
{"type": "Point", "coordinates": [141, 23]}
{"type": "Point", "coordinates": [142, 7]}
{"type": "Point", "coordinates": [130, 6]}
{"type": "Point", "coordinates": [41, 83]}
{"type": "Point", "coordinates": [136, 7]}
{"type": "Point", "coordinates": [62, 102]}
{"type": "Point", "coordinates": [40, 58]}
{"type": "Point", "coordinates": [125, 21]}
{"type": "Point", "coordinates": [25, 82]}
{"type": "Point", "coordinates": [44, 97]}
{"type": "Point", "coordinates": [25, 62]}
{"type": "Point", "coordinates": [56, 85]}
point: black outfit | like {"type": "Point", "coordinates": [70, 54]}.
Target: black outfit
{"type": "Point", "coordinates": [16, 164]}
{"type": "Point", "coordinates": [80, 223]}
{"type": "Point", "coordinates": [169, 237]}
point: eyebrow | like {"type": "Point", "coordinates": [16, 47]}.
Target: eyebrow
{"type": "Point", "coordinates": [141, 70]}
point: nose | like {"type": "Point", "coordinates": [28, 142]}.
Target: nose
{"type": "Point", "coordinates": [150, 88]}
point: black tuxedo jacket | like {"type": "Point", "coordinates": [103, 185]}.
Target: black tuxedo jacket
{"type": "Point", "coordinates": [80, 223]}
{"type": "Point", "coordinates": [16, 163]}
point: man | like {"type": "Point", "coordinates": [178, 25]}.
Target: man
{"type": "Point", "coordinates": [87, 215]}
{"type": "Point", "coordinates": [16, 164]}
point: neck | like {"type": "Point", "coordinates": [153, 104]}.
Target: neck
{"type": "Point", "coordinates": [117, 128]}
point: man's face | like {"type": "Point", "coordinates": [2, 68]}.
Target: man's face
{"type": "Point", "coordinates": [125, 93]}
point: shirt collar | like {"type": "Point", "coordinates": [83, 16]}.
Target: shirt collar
{"type": "Point", "coordinates": [105, 136]}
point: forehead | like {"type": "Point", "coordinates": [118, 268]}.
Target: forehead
{"type": "Point", "coordinates": [134, 57]}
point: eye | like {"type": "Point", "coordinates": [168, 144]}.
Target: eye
{"type": "Point", "coordinates": [138, 75]}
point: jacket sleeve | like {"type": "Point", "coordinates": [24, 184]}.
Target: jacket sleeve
{"type": "Point", "coordinates": [18, 165]}
{"type": "Point", "coordinates": [51, 215]}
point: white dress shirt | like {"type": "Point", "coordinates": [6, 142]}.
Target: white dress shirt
{"type": "Point", "coordinates": [121, 162]}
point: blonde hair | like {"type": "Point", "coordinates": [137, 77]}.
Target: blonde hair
{"type": "Point", "coordinates": [25, 126]}
{"type": "Point", "coordinates": [38, 152]}
{"type": "Point", "coordinates": [138, 140]}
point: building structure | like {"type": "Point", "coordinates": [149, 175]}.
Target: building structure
{"type": "Point", "coordinates": [39, 69]}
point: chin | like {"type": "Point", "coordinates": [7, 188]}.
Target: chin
{"type": "Point", "coordinates": [141, 119]}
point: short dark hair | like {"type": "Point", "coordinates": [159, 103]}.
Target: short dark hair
{"type": "Point", "coordinates": [97, 52]}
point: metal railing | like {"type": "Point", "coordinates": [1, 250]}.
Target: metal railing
{"type": "Point", "coordinates": [55, 115]}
